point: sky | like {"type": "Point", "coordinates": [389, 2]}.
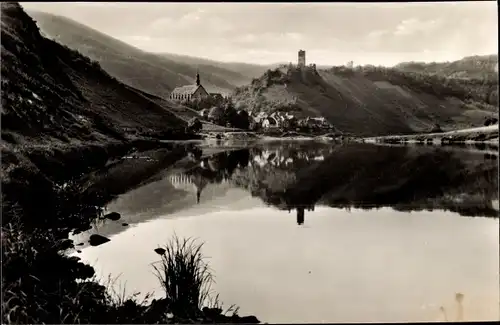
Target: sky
{"type": "Point", "coordinates": [262, 33]}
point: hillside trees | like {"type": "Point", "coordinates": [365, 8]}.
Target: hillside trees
{"type": "Point", "coordinates": [216, 114]}
{"type": "Point", "coordinates": [202, 103]}
{"type": "Point", "coordinates": [194, 125]}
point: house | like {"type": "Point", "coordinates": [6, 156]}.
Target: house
{"type": "Point", "coordinates": [316, 122]}
{"type": "Point", "coordinates": [270, 123]}
{"type": "Point", "coordinates": [259, 118]}
{"type": "Point", "coordinates": [284, 119]}
{"type": "Point", "coordinates": [189, 92]}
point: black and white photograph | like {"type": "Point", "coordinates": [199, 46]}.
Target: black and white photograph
{"type": "Point", "coordinates": [249, 162]}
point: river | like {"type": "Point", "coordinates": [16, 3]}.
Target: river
{"type": "Point", "coordinates": [314, 232]}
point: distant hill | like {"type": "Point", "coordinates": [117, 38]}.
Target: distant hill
{"type": "Point", "coordinates": [477, 67]}
{"type": "Point", "coordinates": [371, 100]}
{"type": "Point", "coordinates": [238, 73]}
{"type": "Point", "coordinates": [157, 74]}
{"type": "Point", "coordinates": [51, 93]}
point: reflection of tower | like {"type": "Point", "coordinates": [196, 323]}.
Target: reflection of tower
{"type": "Point", "coordinates": [200, 183]}
{"type": "Point", "coordinates": [300, 216]}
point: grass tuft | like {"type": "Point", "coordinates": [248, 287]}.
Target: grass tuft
{"type": "Point", "coordinates": [184, 275]}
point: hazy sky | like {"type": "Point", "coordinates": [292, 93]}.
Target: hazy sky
{"type": "Point", "coordinates": [331, 33]}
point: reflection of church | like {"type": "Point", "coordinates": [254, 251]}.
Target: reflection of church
{"type": "Point", "coordinates": [190, 183]}
{"type": "Point", "coordinates": [301, 212]}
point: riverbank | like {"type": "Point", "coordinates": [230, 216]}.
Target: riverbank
{"type": "Point", "coordinates": [486, 134]}
{"type": "Point", "coordinates": [51, 190]}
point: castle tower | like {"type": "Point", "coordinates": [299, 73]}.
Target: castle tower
{"type": "Point", "coordinates": [302, 58]}
{"type": "Point", "coordinates": [197, 78]}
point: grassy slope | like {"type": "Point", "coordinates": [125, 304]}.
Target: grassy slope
{"type": "Point", "coordinates": [61, 109]}
{"type": "Point", "coordinates": [49, 91]}
{"type": "Point", "coordinates": [358, 104]}
{"type": "Point", "coordinates": [155, 74]}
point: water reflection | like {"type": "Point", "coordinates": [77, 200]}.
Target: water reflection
{"type": "Point", "coordinates": [400, 266]}
{"type": "Point", "coordinates": [367, 177]}
{"type": "Point", "coordinates": [299, 176]}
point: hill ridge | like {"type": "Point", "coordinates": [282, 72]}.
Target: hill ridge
{"type": "Point", "coordinates": [154, 73]}
{"type": "Point", "coordinates": [376, 101]}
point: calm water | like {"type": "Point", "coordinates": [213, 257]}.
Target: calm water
{"type": "Point", "coordinates": [305, 232]}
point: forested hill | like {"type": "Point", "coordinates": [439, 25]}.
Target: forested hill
{"type": "Point", "coordinates": [153, 73]}
{"type": "Point", "coordinates": [474, 67]}
{"type": "Point", "coordinates": [373, 100]}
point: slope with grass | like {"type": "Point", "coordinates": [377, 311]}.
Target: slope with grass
{"type": "Point", "coordinates": [51, 93]}
{"type": "Point", "coordinates": [157, 74]}
{"type": "Point", "coordinates": [362, 102]}
{"type": "Point", "coordinates": [61, 109]}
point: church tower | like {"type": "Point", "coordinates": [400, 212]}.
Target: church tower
{"type": "Point", "coordinates": [197, 78]}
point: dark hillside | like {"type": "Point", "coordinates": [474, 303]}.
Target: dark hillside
{"type": "Point", "coordinates": [51, 92]}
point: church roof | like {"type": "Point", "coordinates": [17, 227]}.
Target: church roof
{"type": "Point", "coordinates": [186, 90]}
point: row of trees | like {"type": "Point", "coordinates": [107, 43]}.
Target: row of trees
{"type": "Point", "coordinates": [227, 115]}
{"type": "Point", "coordinates": [223, 113]}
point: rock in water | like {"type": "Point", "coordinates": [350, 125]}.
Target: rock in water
{"type": "Point", "coordinates": [113, 216]}
{"type": "Point", "coordinates": [160, 251]}
{"type": "Point", "coordinates": [96, 240]}
{"type": "Point", "coordinates": [124, 224]}
{"type": "Point", "coordinates": [66, 244]}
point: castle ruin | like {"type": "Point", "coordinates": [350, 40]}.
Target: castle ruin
{"type": "Point", "coordinates": [302, 59]}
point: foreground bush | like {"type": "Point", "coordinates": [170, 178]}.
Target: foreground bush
{"type": "Point", "coordinates": [184, 276]}
{"type": "Point", "coordinates": [41, 284]}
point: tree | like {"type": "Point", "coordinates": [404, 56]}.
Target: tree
{"type": "Point", "coordinates": [194, 125]}
{"type": "Point", "coordinates": [216, 115]}
{"type": "Point", "coordinates": [230, 115]}
{"type": "Point", "coordinates": [243, 120]}
{"type": "Point", "coordinates": [202, 103]}
{"type": "Point", "coordinates": [291, 123]}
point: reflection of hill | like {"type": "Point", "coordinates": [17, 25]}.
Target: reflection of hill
{"type": "Point", "coordinates": [296, 177]}
{"type": "Point", "coordinates": [202, 186]}
{"type": "Point", "coordinates": [369, 176]}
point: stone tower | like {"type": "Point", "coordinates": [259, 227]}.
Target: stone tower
{"type": "Point", "coordinates": [302, 58]}
{"type": "Point", "coordinates": [197, 78]}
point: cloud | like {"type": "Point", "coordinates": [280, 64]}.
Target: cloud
{"type": "Point", "coordinates": [333, 32]}
{"type": "Point", "coordinates": [412, 26]}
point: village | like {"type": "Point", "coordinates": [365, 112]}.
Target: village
{"type": "Point", "coordinates": [219, 109]}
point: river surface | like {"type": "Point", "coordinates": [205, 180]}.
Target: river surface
{"type": "Point", "coordinates": [311, 232]}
